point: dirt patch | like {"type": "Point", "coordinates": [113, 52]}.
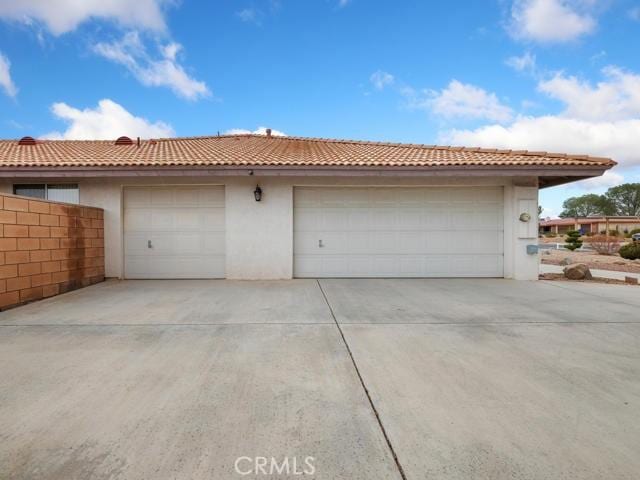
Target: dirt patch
{"type": "Point", "coordinates": [562, 278]}
{"type": "Point", "coordinates": [594, 261]}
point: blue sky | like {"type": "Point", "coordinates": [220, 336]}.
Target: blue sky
{"type": "Point", "coordinates": [555, 75]}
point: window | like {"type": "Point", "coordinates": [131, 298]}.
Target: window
{"type": "Point", "coordinates": [63, 192]}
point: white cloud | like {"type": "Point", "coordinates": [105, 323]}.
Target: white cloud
{"type": "Point", "coordinates": [600, 120]}
{"type": "Point", "coordinates": [459, 100]}
{"type": "Point", "coordinates": [634, 14]}
{"type": "Point", "coordinates": [381, 79]}
{"type": "Point", "coordinates": [157, 72]}
{"type": "Point", "coordinates": [249, 15]}
{"type": "Point", "coordinates": [550, 21]}
{"type": "Point", "coordinates": [108, 120]}
{"type": "Point", "coordinates": [258, 131]}
{"type": "Point", "coordinates": [5, 77]}
{"type": "Point", "coordinates": [616, 98]}
{"type": "Point", "coordinates": [62, 16]}
{"type": "Point", "coordinates": [343, 3]}
{"type": "Point", "coordinates": [524, 63]}
{"type": "Point", "coordinates": [609, 179]}
{"type": "Point", "coordinates": [616, 139]}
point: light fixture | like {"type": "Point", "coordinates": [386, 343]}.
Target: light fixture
{"type": "Point", "coordinates": [257, 193]}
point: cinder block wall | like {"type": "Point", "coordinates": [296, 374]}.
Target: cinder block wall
{"type": "Point", "coordinates": [47, 248]}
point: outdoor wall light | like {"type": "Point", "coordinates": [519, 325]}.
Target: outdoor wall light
{"type": "Point", "coordinates": [257, 193]}
{"type": "Point", "coordinates": [525, 217]}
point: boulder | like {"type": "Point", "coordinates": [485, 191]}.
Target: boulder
{"type": "Point", "coordinates": [577, 271]}
{"type": "Point", "coordinates": [566, 261]}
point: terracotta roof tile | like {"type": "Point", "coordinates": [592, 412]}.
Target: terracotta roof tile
{"type": "Point", "coordinates": [258, 150]}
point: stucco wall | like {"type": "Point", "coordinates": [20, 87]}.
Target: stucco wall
{"type": "Point", "coordinates": [259, 235]}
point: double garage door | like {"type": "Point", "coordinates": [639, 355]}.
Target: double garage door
{"type": "Point", "coordinates": [398, 232]}
{"type": "Point", "coordinates": [179, 232]}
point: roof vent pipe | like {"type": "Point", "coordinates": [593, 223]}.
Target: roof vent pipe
{"type": "Point", "coordinates": [268, 132]}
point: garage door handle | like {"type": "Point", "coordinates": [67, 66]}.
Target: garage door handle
{"type": "Point", "coordinates": [320, 245]}
{"type": "Point", "coordinates": [149, 244]}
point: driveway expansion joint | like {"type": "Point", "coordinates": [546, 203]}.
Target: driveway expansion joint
{"type": "Point", "coordinates": [364, 386]}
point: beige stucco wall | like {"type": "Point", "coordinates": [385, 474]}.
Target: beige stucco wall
{"type": "Point", "coordinates": [259, 235]}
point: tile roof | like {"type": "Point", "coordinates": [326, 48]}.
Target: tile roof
{"type": "Point", "coordinates": [260, 150]}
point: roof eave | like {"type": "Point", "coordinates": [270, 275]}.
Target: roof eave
{"type": "Point", "coordinates": [550, 175]}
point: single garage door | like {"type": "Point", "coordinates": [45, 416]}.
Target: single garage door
{"type": "Point", "coordinates": [174, 232]}
{"type": "Point", "coordinates": [398, 232]}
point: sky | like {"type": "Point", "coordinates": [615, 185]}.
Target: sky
{"type": "Point", "coordinates": [551, 75]}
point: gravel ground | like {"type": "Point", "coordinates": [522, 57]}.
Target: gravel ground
{"type": "Point", "coordinates": [593, 260]}
{"type": "Point", "coordinates": [560, 277]}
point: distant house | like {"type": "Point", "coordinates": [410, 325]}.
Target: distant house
{"type": "Point", "coordinates": [589, 224]}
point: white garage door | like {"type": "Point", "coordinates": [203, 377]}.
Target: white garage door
{"type": "Point", "coordinates": [398, 232]}
{"type": "Point", "coordinates": [174, 232]}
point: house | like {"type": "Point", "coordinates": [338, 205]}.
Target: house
{"type": "Point", "coordinates": [267, 207]}
{"type": "Point", "coordinates": [590, 225]}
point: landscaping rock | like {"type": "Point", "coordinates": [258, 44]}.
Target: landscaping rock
{"type": "Point", "coordinates": [566, 261]}
{"type": "Point", "coordinates": [577, 271]}
{"type": "Point", "coordinates": [631, 280]}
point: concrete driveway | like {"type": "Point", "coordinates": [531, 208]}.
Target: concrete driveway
{"type": "Point", "coordinates": [373, 379]}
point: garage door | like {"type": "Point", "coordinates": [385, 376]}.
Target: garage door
{"type": "Point", "coordinates": [398, 232]}
{"type": "Point", "coordinates": [174, 232]}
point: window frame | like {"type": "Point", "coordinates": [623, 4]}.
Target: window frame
{"type": "Point", "coordinates": [46, 190]}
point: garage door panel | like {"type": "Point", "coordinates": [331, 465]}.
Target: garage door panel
{"type": "Point", "coordinates": [437, 242]}
{"type": "Point", "coordinates": [137, 197]}
{"type": "Point", "coordinates": [211, 197]}
{"type": "Point", "coordinates": [335, 219]}
{"type": "Point", "coordinates": [409, 242]}
{"type": "Point", "coordinates": [188, 219]}
{"type": "Point", "coordinates": [162, 219]}
{"type": "Point", "coordinates": [162, 196]}
{"type": "Point", "coordinates": [410, 218]}
{"type": "Point", "coordinates": [384, 242]}
{"type": "Point", "coordinates": [488, 219]}
{"type": "Point", "coordinates": [137, 244]}
{"type": "Point", "coordinates": [185, 225]}
{"type": "Point", "coordinates": [405, 232]}
{"type": "Point", "coordinates": [138, 219]}
{"type": "Point", "coordinates": [359, 219]}
{"type": "Point", "coordinates": [436, 218]}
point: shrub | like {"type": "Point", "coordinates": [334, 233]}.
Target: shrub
{"type": "Point", "coordinates": [634, 231]}
{"type": "Point", "coordinates": [573, 241]}
{"type": "Point", "coordinates": [630, 251]}
{"type": "Point", "coordinates": [605, 244]}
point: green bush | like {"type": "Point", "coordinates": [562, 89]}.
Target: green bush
{"type": "Point", "coordinates": [573, 241]}
{"type": "Point", "coordinates": [634, 231]}
{"type": "Point", "coordinates": [631, 251]}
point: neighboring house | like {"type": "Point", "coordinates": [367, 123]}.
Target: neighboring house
{"type": "Point", "coordinates": [590, 225]}
{"type": "Point", "coordinates": [266, 207]}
